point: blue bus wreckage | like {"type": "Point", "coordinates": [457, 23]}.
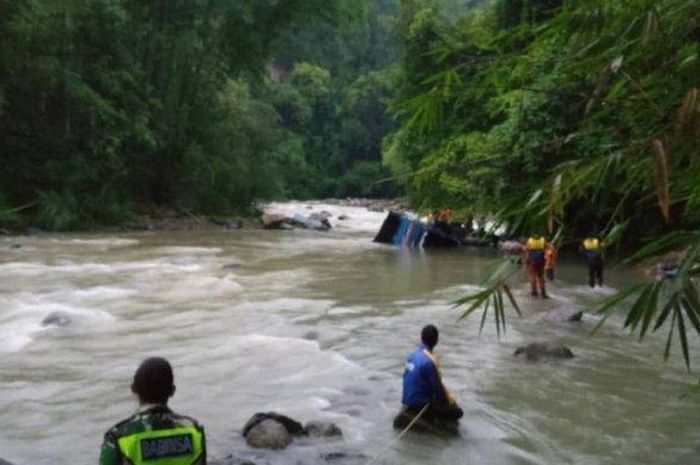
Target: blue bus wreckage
{"type": "Point", "coordinates": [403, 231]}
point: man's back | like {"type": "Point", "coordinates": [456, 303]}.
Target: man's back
{"type": "Point", "coordinates": [152, 435]}
{"type": "Point", "coordinates": [421, 381]}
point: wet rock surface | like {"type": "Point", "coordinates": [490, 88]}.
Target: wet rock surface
{"type": "Point", "coordinates": [542, 351]}
{"type": "Point", "coordinates": [56, 319]}
{"type": "Point", "coordinates": [563, 316]}
{"type": "Point", "coordinates": [322, 429]}
{"type": "Point", "coordinates": [268, 434]}
{"type": "Point", "coordinates": [293, 427]}
{"type": "Point", "coordinates": [274, 431]}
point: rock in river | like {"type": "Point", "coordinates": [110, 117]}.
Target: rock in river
{"type": "Point", "coordinates": [564, 316]}
{"type": "Point", "coordinates": [56, 319]}
{"type": "Point", "coordinates": [539, 351]}
{"type": "Point", "coordinates": [322, 429]}
{"type": "Point", "coordinates": [268, 434]}
{"type": "Point", "coordinates": [4, 462]}
{"type": "Point", "coordinates": [271, 430]}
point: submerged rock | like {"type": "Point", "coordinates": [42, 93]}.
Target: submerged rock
{"type": "Point", "coordinates": [4, 462]}
{"type": "Point", "coordinates": [312, 336]}
{"type": "Point", "coordinates": [564, 316]}
{"type": "Point", "coordinates": [322, 429]}
{"type": "Point", "coordinates": [343, 217]}
{"type": "Point", "coordinates": [232, 266]}
{"type": "Point", "coordinates": [268, 434]}
{"type": "Point", "coordinates": [538, 351]}
{"type": "Point", "coordinates": [56, 319]}
{"type": "Point", "coordinates": [344, 457]}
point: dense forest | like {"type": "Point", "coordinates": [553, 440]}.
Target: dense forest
{"type": "Point", "coordinates": [108, 107]}
{"type": "Point", "coordinates": [549, 115]}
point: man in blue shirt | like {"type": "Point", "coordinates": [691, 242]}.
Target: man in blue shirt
{"type": "Point", "coordinates": [422, 386]}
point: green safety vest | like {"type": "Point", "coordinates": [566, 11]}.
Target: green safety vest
{"type": "Point", "coordinates": [177, 446]}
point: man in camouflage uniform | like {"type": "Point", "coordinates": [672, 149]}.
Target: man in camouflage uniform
{"type": "Point", "coordinates": [154, 434]}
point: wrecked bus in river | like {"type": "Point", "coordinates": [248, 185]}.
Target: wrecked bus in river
{"type": "Point", "coordinates": [401, 230]}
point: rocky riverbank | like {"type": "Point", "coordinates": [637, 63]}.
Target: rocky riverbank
{"type": "Point", "coordinates": [170, 219]}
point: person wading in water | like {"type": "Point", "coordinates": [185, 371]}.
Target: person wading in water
{"type": "Point", "coordinates": [423, 390]}
{"type": "Point", "coordinates": [154, 434]}
{"type": "Point", "coordinates": [593, 252]}
{"type": "Point", "coordinates": [535, 261]}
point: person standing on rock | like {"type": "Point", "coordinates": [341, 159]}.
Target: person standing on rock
{"type": "Point", "coordinates": [423, 390]}
{"type": "Point", "coordinates": [535, 262]}
{"type": "Point", "coordinates": [154, 434]}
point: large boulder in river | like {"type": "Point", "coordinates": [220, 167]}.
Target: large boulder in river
{"type": "Point", "coordinates": [268, 434]}
{"type": "Point", "coordinates": [322, 429]}
{"type": "Point", "coordinates": [56, 319]}
{"type": "Point", "coordinates": [271, 431]}
{"type": "Point", "coordinates": [274, 221]}
{"type": "Point", "coordinates": [316, 223]}
{"type": "Point", "coordinates": [541, 351]}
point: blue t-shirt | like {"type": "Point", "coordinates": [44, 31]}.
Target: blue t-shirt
{"type": "Point", "coordinates": [421, 381]}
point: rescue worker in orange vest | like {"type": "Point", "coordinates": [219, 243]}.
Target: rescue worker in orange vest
{"type": "Point", "coordinates": [550, 260]}
{"type": "Point", "coordinates": [593, 252]}
{"type": "Point", "coordinates": [535, 260]}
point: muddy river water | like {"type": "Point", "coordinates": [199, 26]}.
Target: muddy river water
{"type": "Point", "coordinates": [317, 326]}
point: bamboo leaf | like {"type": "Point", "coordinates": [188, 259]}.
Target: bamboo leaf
{"type": "Point", "coordinates": [683, 336]}
{"type": "Point", "coordinates": [483, 316]}
{"type": "Point", "coordinates": [498, 316]}
{"type": "Point", "coordinates": [666, 311]}
{"type": "Point", "coordinates": [667, 350]}
{"type": "Point", "coordinates": [689, 261]}
{"type": "Point", "coordinates": [499, 298]}
{"type": "Point", "coordinates": [513, 302]}
{"type": "Point", "coordinates": [691, 294]}
{"type": "Point", "coordinates": [615, 234]}
{"type": "Point", "coordinates": [669, 242]}
{"type": "Point", "coordinates": [611, 303]}
{"type": "Point", "coordinates": [692, 314]}
{"type": "Point", "coordinates": [477, 301]}
{"type": "Point", "coordinates": [661, 175]}
{"type": "Point", "coordinates": [652, 307]}
{"type": "Point", "coordinates": [639, 307]}
{"type": "Point", "coordinates": [686, 112]}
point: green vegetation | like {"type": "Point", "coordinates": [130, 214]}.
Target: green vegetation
{"type": "Point", "coordinates": [563, 117]}
{"type": "Point", "coordinates": [111, 106]}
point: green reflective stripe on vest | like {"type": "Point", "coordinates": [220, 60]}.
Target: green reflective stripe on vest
{"type": "Point", "coordinates": [177, 446]}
